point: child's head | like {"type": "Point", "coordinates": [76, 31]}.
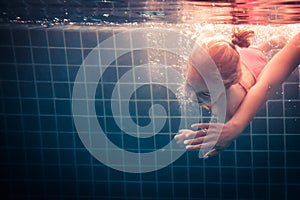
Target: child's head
{"type": "Point", "coordinates": [225, 56]}
{"type": "Point", "coordinates": [227, 60]}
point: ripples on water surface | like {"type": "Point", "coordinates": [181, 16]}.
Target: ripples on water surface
{"type": "Point", "coordinates": [132, 11]}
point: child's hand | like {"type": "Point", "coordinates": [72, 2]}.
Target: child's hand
{"type": "Point", "coordinates": [277, 42]}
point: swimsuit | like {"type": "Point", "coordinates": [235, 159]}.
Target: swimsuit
{"type": "Point", "coordinates": [253, 61]}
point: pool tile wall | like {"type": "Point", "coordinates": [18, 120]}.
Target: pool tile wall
{"type": "Point", "coordinates": [42, 155]}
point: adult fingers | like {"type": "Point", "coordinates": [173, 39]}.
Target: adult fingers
{"type": "Point", "coordinates": [201, 125]}
{"type": "Point", "coordinates": [189, 134]}
{"type": "Point", "coordinates": [194, 141]}
{"type": "Point", "coordinates": [211, 153]}
{"type": "Point", "coordinates": [200, 138]}
{"type": "Point", "coordinates": [207, 125]}
{"type": "Point", "coordinates": [184, 134]}
{"type": "Point", "coordinates": [198, 146]}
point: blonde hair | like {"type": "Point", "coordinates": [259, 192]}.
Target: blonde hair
{"type": "Point", "coordinates": [226, 56]}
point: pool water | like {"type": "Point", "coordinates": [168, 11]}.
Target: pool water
{"type": "Point", "coordinates": [45, 154]}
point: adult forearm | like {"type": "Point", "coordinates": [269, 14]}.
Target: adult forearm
{"type": "Point", "coordinates": [253, 101]}
{"type": "Point", "coordinates": [275, 72]}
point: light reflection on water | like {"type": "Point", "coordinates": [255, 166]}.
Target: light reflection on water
{"type": "Point", "coordinates": [169, 11]}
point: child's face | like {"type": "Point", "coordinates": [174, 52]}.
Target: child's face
{"type": "Point", "coordinates": [196, 87]}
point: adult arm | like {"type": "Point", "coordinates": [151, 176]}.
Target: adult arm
{"type": "Point", "coordinates": [274, 73]}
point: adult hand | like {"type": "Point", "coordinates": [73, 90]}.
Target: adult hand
{"type": "Point", "coordinates": [200, 139]}
{"type": "Point", "coordinates": [187, 137]}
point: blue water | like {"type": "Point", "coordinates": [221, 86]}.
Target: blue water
{"type": "Point", "coordinates": [43, 156]}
